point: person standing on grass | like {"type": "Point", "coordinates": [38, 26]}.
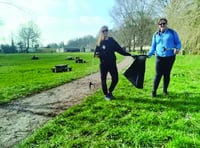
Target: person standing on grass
{"type": "Point", "coordinates": [105, 51]}
{"type": "Point", "coordinates": [165, 44]}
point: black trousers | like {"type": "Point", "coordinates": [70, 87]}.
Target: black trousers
{"type": "Point", "coordinates": [163, 68]}
{"type": "Point", "coordinates": [104, 70]}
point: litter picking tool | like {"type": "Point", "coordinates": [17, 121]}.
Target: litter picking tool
{"type": "Point", "coordinates": [91, 84]}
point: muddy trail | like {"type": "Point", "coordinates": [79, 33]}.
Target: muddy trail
{"type": "Point", "coordinates": [19, 118]}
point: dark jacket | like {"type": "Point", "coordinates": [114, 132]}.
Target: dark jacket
{"type": "Point", "coordinates": [107, 49]}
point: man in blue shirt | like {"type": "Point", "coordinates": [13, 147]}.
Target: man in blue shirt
{"type": "Point", "coordinates": [165, 45]}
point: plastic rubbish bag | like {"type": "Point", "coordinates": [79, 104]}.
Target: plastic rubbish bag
{"type": "Point", "coordinates": [136, 71]}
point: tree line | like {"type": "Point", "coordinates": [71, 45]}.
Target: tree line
{"type": "Point", "coordinates": [28, 37]}
{"type": "Point", "coordinates": [135, 23]}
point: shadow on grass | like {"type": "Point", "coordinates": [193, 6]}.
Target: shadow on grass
{"type": "Point", "coordinates": [185, 101]}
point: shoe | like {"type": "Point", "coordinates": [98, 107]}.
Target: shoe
{"type": "Point", "coordinates": [107, 97]}
{"type": "Point", "coordinates": [153, 93]}
{"type": "Point", "coordinates": [110, 95]}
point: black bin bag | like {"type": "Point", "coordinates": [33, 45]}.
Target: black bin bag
{"type": "Point", "coordinates": [135, 72]}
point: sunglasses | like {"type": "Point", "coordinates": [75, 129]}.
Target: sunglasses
{"type": "Point", "coordinates": [106, 30]}
{"type": "Point", "coordinates": [162, 24]}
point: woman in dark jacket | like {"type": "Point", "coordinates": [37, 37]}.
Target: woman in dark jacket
{"type": "Point", "coordinates": [105, 51]}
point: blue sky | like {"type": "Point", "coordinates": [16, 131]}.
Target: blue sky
{"type": "Point", "coordinates": [58, 20]}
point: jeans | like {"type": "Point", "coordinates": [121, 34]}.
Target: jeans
{"type": "Point", "coordinates": [163, 68]}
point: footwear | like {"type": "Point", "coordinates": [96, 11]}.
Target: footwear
{"type": "Point", "coordinates": [107, 97]}
{"type": "Point", "coordinates": [153, 93]}
{"type": "Point", "coordinates": [110, 95]}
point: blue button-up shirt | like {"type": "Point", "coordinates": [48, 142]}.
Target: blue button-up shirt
{"type": "Point", "coordinates": [163, 44]}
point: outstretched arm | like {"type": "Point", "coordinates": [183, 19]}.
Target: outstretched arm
{"type": "Point", "coordinates": [120, 50]}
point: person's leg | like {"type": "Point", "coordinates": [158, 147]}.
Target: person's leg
{"type": "Point", "coordinates": [114, 78]}
{"type": "Point", "coordinates": [103, 73]}
{"type": "Point", "coordinates": [158, 75]}
{"type": "Point", "coordinates": [168, 67]}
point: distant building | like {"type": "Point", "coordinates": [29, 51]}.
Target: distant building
{"type": "Point", "coordinates": [60, 50]}
{"type": "Point", "coordinates": [68, 49]}
{"type": "Point", "coordinates": [72, 49]}
{"type": "Point", "coordinates": [32, 50]}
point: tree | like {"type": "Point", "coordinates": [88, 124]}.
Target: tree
{"type": "Point", "coordinates": [61, 44]}
{"type": "Point", "coordinates": [133, 18]}
{"type": "Point", "coordinates": [184, 17]}
{"type": "Point", "coordinates": [8, 49]}
{"type": "Point", "coordinates": [52, 45]}
{"type": "Point", "coordinates": [20, 45]}
{"type": "Point", "coordinates": [83, 43]}
{"type": "Point", "coordinates": [124, 22]}
{"type": "Point", "coordinates": [29, 35]}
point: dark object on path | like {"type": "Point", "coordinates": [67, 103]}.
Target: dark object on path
{"type": "Point", "coordinates": [135, 73]}
{"type": "Point", "coordinates": [35, 58]}
{"type": "Point", "coordinates": [61, 68]}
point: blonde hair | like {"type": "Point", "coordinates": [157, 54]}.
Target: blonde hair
{"type": "Point", "coordinates": [101, 37]}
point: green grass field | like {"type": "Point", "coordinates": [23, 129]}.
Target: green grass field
{"type": "Point", "coordinates": [133, 118]}
{"type": "Point", "coordinates": [20, 76]}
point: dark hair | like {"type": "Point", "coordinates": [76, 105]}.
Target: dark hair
{"type": "Point", "coordinates": [162, 19]}
{"type": "Point", "coordinates": [104, 28]}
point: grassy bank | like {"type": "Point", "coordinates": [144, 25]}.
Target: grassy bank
{"type": "Point", "coordinates": [133, 118]}
{"type": "Point", "coordinates": [20, 76]}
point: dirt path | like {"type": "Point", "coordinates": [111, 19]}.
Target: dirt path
{"type": "Point", "coordinates": [19, 118]}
